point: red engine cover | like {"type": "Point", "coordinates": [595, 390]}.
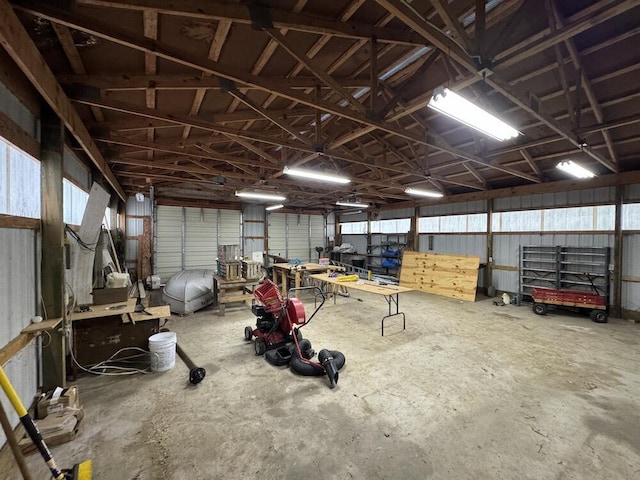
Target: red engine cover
{"type": "Point", "coordinates": [295, 312]}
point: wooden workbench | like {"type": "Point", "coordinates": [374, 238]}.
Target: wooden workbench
{"type": "Point", "coordinates": [389, 292]}
{"type": "Point", "coordinates": [283, 271]}
{"type": "Point", "coordinates": [233, 291]}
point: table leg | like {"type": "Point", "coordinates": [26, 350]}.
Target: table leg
{"type": "Point", "coordinates": [298, 274]}
{"type": "Point", "coordinates": [393, 300]}
{"type": "Point", "coordinates": [283, 281]}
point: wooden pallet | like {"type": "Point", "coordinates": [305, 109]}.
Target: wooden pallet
{"type": "Point", "coordinates": [251, 270]}
{"type": "Point", "coordinates": [230, 270]}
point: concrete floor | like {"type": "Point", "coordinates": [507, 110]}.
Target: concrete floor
{"type": "Point", "coordinates": [467, 391]}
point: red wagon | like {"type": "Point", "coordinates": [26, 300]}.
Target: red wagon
{"type": "Point", "coordinates": [594, 303]}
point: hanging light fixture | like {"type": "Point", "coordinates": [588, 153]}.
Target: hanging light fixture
{"type": "Point", "coordinates": [274, 207]}
{"type": "Point", "coordinates": [260, 196]}
{"type": "Point", "coordinates": [315, 175]}
{"type": "Point", "coordinates": [453, 105]}
{"type": "Point", "coordinates": [423, 193]}
{"type": "Point", "coordinates": [574, 169]}
{"type": "Point", "coordinates": [352, 204]}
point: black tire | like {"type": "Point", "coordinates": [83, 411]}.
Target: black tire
{"type": "Point", "coordinates": [248, 333]}
{"type": "Point", "coordinates": [260, 346]}
{"type": "Point", "coordinates": [539, 308]}
{"type": "Point", "coordinates": [599, 316]}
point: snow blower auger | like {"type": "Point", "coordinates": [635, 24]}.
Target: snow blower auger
{"type": "Point", "coordinates": [277, 333]}
{"type": "Point", "coordinates": [81, 471]}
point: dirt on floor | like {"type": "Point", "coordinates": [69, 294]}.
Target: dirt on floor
{"type": "Point", "coordinates": [466, 391]}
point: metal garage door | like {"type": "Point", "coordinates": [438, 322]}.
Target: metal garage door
{"type": "Point", "coordinates": [298, 237]}
{"type": "Point", "coordinates": [201, 245]}
{"type": "Point", "coordinates": [168, 241]}
{"type": "Point", "coordinates": [229, 227]}
{"type": "Point", "coordinates": [277, 234]}
{"type": "Point", "coordinates": [316, 229]}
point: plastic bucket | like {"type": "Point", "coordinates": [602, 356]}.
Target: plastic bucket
{"type": "Point", "coordinates": [163, 351]}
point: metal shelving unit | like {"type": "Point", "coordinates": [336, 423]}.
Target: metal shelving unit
{"type": "Point", "coordinates": [564, 268]}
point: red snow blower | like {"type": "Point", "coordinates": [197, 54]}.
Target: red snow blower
{"type": "Point", "coordinates": [277, 333]}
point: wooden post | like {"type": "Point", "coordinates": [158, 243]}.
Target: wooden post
{"type": "Point", "coordinates": [488, 270]}
{"type": "Point", "coordinates": [53, 281]}
{"type": "Point", "coordinates": [617, 254]}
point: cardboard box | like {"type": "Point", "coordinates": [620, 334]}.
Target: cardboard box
{"type": "Point", "coordinates": [57, 401]}
{"type": "Point", "coordinates": [102, 296]}
{"type": "Point", "coordinates": [56, 429]}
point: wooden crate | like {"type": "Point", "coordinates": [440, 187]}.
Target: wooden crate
{"type": "Point", "coordinates": [228, 253]}
{"type": "Point", "coordinates": [233, 291]}
{"type": "Point", "coordinates": [230, 270]}
{"type": "Point", "coordinates": [251, 270]}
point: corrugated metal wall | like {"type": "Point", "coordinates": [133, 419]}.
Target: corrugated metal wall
{"type": "Point", "coordinates": [200, 240]}
{"type": "Point", "coordinates": [298, 245]}
{"type": "Point", "coordinates": [317, 235]}
{"type": "Point", "coordinates": [277, 225]}
{"type": "Point", "coordinates": [168, 242]}
{"type": "Point", "coordinates": [630, 294]}
{"type": "Point", "coordinates": [18, 297]}
{"type": "Point", "coordinates": [593, 196]}
{"type": "Point", "coordinates": [253, 218]}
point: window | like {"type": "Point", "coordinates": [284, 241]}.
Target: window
{"type": "Point", "coordinates": [631, 216]}
{"type": "Point", "coordinates": [400, 225]}
{"type": "Point", "coordinates": [19, 182]}
{"type": "Point", "coordinates": [353, 228]}
{"type": "Point", "coordinates": [75, 201]}
{"type": "Point", "coordinates": [599, 218]}
{"type": "Point", "coordinates": [469, 223]}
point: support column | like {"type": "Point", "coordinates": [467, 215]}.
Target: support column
{"type": "Point", "coordinates": [488, 270]}
{"type": "Point", "coordinates": [53, 274]}
{"type": "Point", "coordinates": [617, 255]}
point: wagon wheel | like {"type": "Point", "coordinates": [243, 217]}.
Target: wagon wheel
{"type": "Point", "coordinates": [248, 333]}
{"type": "Point", "coordinates": [539, 308]}
{"type": "Point", "coordinates": [599, 316]}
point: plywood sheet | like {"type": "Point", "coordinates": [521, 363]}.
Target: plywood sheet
{"type": "Point", "coordinates": [454, 276]}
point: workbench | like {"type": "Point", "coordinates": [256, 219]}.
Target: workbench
{"type": "Point", "coordinates": [283, 271]}
{"type": "Point", "coordinates": [389, 292]}
{"type": "Point", "coordinates": [102, 331]}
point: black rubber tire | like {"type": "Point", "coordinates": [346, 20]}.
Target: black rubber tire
{"type": "Point", "coordinates": [303, 368]}
{"type": "Point", "coordinates": [539, 308]}
{"type": "Point", "coordinates": [305, 348]}
{"type": "Point", "coordinates": [599, 316]}
{"type": "Point", "coordinates": [248, 333]}
{"type": "Point", "coordinates": [260, 346]}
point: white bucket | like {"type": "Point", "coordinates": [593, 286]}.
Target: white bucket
{"type": "Point", "coordinates": [163, 351]}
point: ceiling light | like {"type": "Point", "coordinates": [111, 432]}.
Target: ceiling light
{"type": "Point", "coordinates": [423, 193]}
{"type": "Point", "coordinates": [275, 207]}
{"type": "Point", "coordinates": [453, 105]}
{"type": "Point", "coordinates": [314, 175]}
{"type": "Point", "coordinates": [261, 196]}
{"type": "Point", "coordinates": [352, 204]}
{"type": "Point", "coordinates": [575, 169]}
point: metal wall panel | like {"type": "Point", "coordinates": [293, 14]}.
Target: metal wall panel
{"type": "Point", "coordinates": [358, 241]}
{"type": "Point", "coordinates": [13, 108]}
{"type": "Point", "coordinates": [399, 213]}
{"type": "Point", "coordinates": [506, 251]}
{"type": "Point", "coordinates": [277, 234]}
{"type": "Point", "coordinates": [632, 192]}
{"type": "Point", "coordinates": [18, 298]}
{"type": "Point", "coordinates": [456, 244]}
{"type": "Point", "coordinates": [201, 246]}
{"type": "Point", "coordinates": [139, 209]}
{"type": "Point", "coordinates": [318, 239]}
{"type": "Point", "coordinates": [229, 227]}
{"type": "Point", "coordinates": [168, 242]}
{"type": "Point", "coordinates": [602, 195]}
{"type": "Point", "coordinates": [630, 294]}
{"type": "Point", "coordinates": [298, 245]}
{"type": "Point", "coordinates": [75, 170]}
{"type": "Point", "coordinates": [253, 218]}
{"type": "Point", "coordinates": [331, 226]}
{"type": "Point", "coordinates": [476, 206]}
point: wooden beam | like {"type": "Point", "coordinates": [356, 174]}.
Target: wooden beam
{"type": "Point", "coordinates": [314, 68]}
{"type": "Point", "coordinates": [18, 44]}
{"type": "Point", "coordinates": [209, 10]}
{"type": "Point", "coordinates": [9, 221]}
{"type": "Point", "coordinates": [52, 269]}
{"type": "Point", "coordinates": [453, 50]}
{"type": "Point", "coordinates": [452, 22]}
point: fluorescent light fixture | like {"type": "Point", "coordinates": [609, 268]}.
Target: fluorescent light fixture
{"type": "Point", "coordinates": [352, 204]}
{"type": "Point", "coordinates": [423, 193]}
{"type": "Point", "coordinates": [261, 196]}
{"type": "Point", "coordinates": [275, 207]}
{"type": "Point", "coordinates": [575, 169]}
{"type": "Point", "coordinates": [325, 177]}
{"type": "Point", "coordinates": [453, 105]}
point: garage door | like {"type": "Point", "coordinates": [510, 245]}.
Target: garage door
{"type": "Point", "coordinates": [168, 241]}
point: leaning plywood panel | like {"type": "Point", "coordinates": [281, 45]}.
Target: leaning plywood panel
{"type": "Point", "coordinates": [85, 252]}
{"type": "Point", "coordinates": [454, 276]}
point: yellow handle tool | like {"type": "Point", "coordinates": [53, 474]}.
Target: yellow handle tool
{"type": "Point", "coordinates": [348, 278]}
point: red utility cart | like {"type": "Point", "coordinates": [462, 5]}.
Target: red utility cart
{"type": "Point", "coordinates": [595, 304]}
